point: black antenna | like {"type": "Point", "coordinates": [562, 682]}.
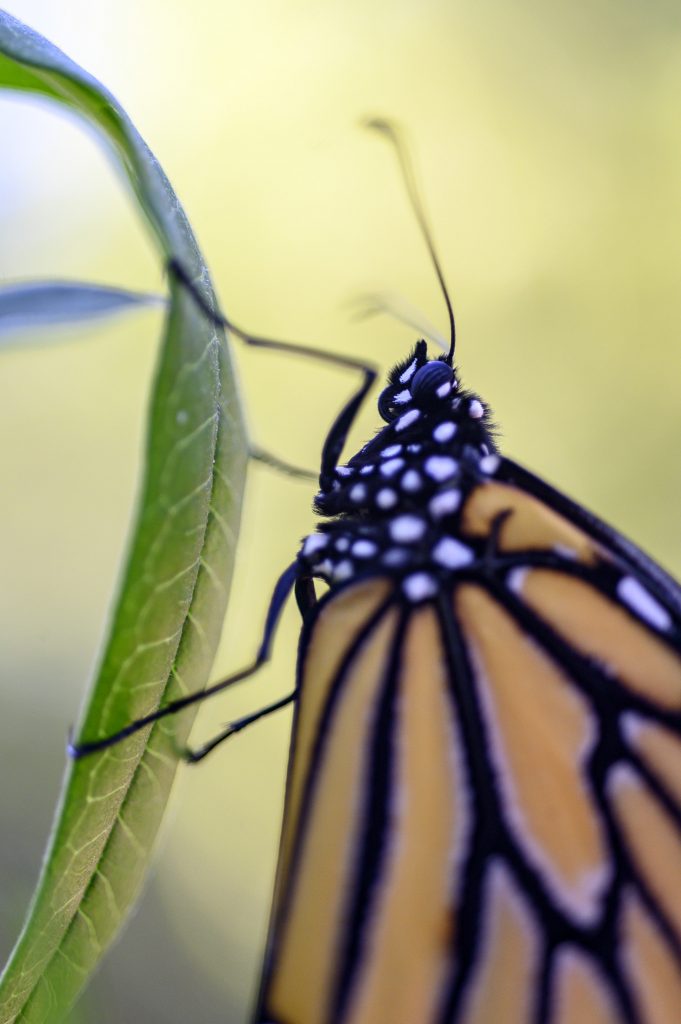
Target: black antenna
{"type": "Point", "coordinates": [391, 132]}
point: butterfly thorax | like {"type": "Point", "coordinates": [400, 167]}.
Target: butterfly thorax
{"type": "Point", "coordinates": [395, 506]}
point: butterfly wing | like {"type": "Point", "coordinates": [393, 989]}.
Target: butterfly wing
{"type": "Point", "coordinates": [482, 819]}
{"type": "Point", "coordinates": [568, 649]}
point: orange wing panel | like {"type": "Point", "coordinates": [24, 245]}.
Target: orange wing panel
{"type": "Point", "coordinates": [532, 525]}
{"type": "Point", "coordinates": [307, 944]}
{"type": "Point", "coordinates": [503, 988]}
{"type": "Point", "coordinates": [541, 729]}
{"type": "Point", "coordinates": [599, 628]}
{"type": "Point", "coordinates": [410, 939]}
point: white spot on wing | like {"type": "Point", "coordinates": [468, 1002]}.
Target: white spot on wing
{"type": "Point", "coordinates": [516, 580]}
{"type": "Point", "coordinates": [358, 492]}
{"type": "Point", "coordinates": [393, 449]}
{"type": "Point", "coordinates": [565, 551]}
{"type": "Point", "coordinates": [641, 601]}
{"type": "Point", "coordinates": [343, 471]}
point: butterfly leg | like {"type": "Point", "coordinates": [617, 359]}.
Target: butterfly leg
{"type": "Point", "coordinates": [281, 465]}
{"type": "Point", "coordinates": [194, 755]}
{"type": "Point", "coordinates": [338, 433]}
{"type": "Point", "coordinates": [282, 590]}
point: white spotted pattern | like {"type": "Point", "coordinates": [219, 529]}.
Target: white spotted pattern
{"type": "Point", "coordinates": [404, 529]}
{"type": "Point", "coordinates": [391, 467]}
{"type": "Point", "coordinates": [315, 542]}
{"type": "Point", "coordinates": [393, 449]}
{"type": "Point", "coordinates": [406, 421]}
{"type": "Point", "coordinates": [386, 498]}
{"type": "Point", "coordinates": [411, 481]}
{"type": "Point", "coordinates": [364, 548]}
{"type": "Point", "coordinates": [451, 553]}
{"type": "Point", "coordinates": [444, 503]}
{"type": "Point", "coordinates": [419, 586]}
{"type": "Point", "coordinates": [444, 431]}
{"type": "Point", "coordinates": [441, 467]}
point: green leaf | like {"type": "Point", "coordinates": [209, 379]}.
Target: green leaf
{"type": "Point", "coordinates": [36, 305]}
{"type": "Point", "coordinates": [167, 618]}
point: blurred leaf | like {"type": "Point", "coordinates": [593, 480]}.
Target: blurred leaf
{"type": "Point", "coordinates": [32, 305]}
{"type": "Point", "coordinates": [167, 619]}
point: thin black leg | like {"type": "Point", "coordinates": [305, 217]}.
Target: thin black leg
{"type": "Point", "coordinates": [281, 465]}
{"type": "Point", "coordinates": [284, 586]}
{"type": "Point", "coordinates": [338, 433]}
{"type": "Point", "coordinates": [193, 756]}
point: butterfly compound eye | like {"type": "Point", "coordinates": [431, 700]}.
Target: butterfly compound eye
{"type": "Point", "coordinates": [429, 380]}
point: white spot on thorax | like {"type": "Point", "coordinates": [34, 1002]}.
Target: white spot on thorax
{"type": "Point", "coordinates": [452, 554]}
{"type": "Point", "coordinates": [489, 464]}
{"type": "Point", "coordinates": [408, 373]}
{"type": "Point", "coordinates": [402, 397]}
{"type": "Point", "coordinates": [315, 542]}
{"type": "Point", "coordinates": [476, 410]}
{"type": "Point", "coordinates": [343, 471]}
{"type": "Point", "coordinates": [404, 529]}
{"type": "Point", "coordinates": [444, 432]}
{"type": "Point", "coordinates": [342, 544]}
{"type": "Point", "coordinates": [391, 467]}
{"type": "Point", "coordinates": [393, 449]}
{"type": "Point", "coordinates": [358, 492]}
{"type": "Point", "coordinates": [364, 548]}
{"type": "Point", "coordinates": [408, 418]}
{"type": "Point", "coordinates": [411, 481]}
{"type": "Point", "coordinates": [386, 498]}
{"type": "Point", "coordinates": [444, 389]}
{"type": "Point", "coordinates": [395, 557]}
{"type": "Point", "coordinates": [444, 503]}
{"type": "Point", "coordinates": [419, 586]}
{"type": "Point", "coordinates": [643, 603]}
{"type": "Point", "coordinates": [441, 467]}
{"type": "Point", "coordinates": [343, 571]}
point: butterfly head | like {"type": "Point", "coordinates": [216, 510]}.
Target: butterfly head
{"type": "Point", "coordinates": [417, 383]}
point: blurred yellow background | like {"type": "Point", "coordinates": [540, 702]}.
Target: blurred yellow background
{"type": "Point", "coordinates": [548, 144]}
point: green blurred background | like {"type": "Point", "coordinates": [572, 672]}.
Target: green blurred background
{"type": "Point", "coordinates": [549, 145]}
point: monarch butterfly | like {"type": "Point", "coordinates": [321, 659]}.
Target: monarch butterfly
{"type": "Point", "coordinates": [483, 809]}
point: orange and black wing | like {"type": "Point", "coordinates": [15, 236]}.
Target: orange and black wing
{"type": "Point", "coordinates": [483, 815]}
